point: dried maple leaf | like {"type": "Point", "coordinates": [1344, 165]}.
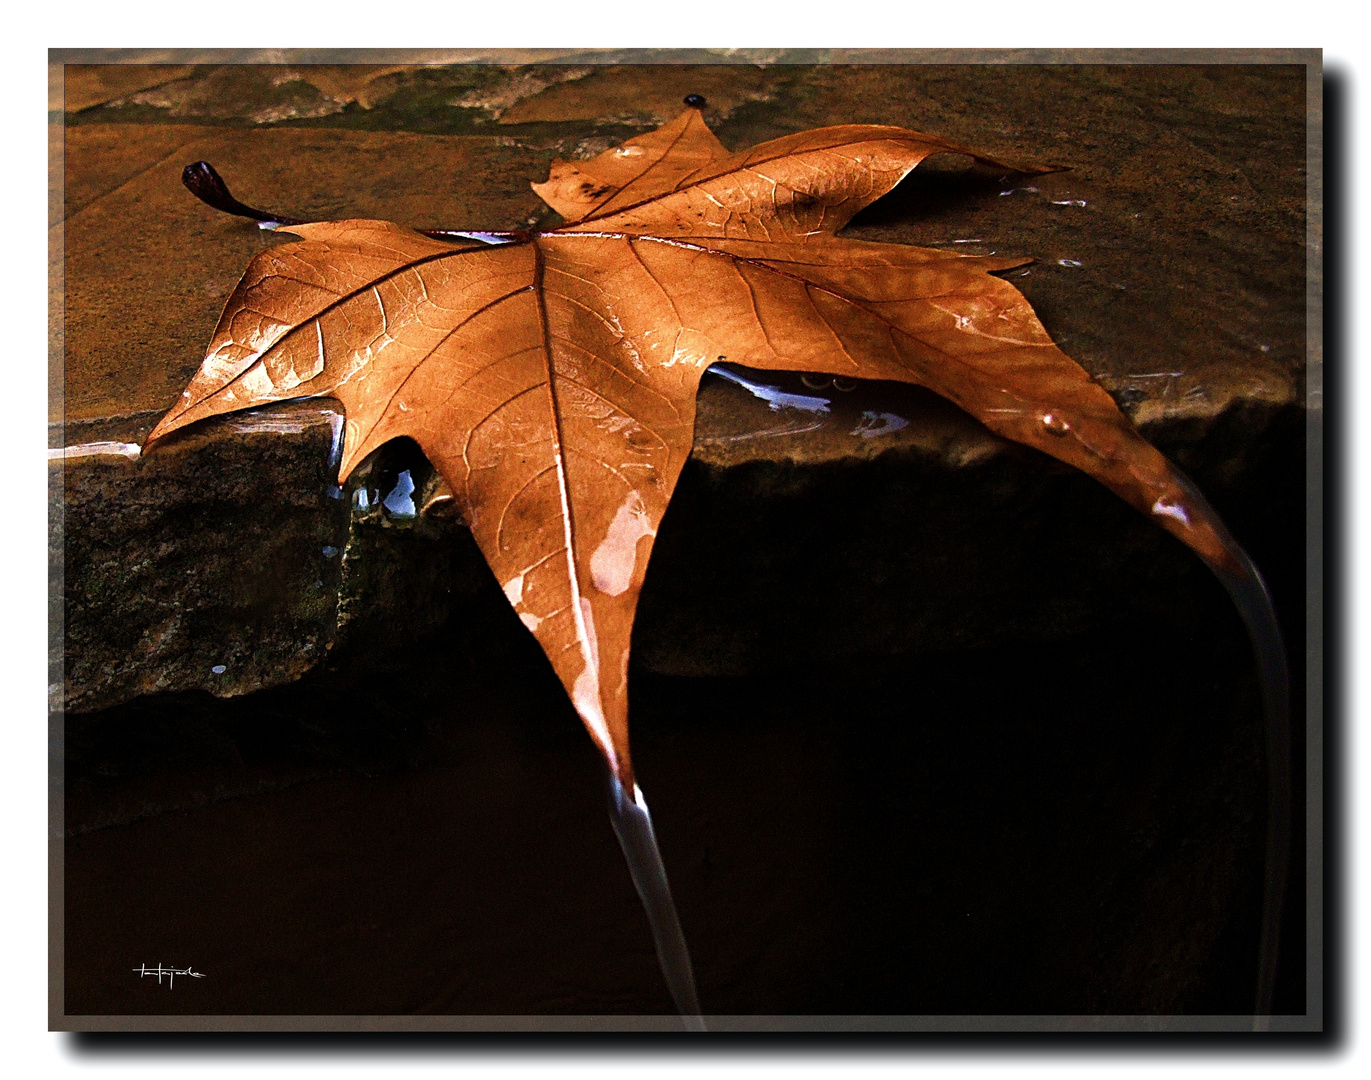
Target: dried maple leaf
{"type": "Point", "coordinates": [551, 378]}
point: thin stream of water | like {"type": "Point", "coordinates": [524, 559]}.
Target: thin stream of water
{"type": "Point", "coordinates": [1253, 600]}
{"type": "Point", "coordinates": [633, 827]}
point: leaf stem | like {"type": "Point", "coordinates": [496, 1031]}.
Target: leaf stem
{"type": "Point", "coordinates": [204, 182]}
{"type": "Point", "coordinates": [208, 186]}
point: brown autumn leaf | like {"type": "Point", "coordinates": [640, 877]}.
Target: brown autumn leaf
{"type": "Point", "coordinates": [551, 378]}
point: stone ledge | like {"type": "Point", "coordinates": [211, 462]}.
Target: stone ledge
{"type": "Point", "coordinates": [228, 560]}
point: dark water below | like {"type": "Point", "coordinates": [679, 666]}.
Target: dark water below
{"type": "Point", "coordinates": [1063, 828]}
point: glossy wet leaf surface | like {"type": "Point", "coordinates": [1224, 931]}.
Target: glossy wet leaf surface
{"type": "Point", "coordinates": [551, 377]}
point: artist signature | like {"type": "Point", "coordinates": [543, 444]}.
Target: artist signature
{"type": "Point", "coordinates": [170, 972]}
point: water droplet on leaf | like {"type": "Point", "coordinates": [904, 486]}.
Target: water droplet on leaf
{"type": "Point", "coordinates": [1055, 424]}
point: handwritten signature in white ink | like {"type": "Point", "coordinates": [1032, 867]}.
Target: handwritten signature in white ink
{"type": "Point", "coordinates": [170, 972]}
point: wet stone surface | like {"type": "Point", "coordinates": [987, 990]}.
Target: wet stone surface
{"type": "Point", "coordinates": [172, 583]}
{"type": "Point", "coordinates": [232, 560]}
{"type": "Point", "coordinates": [1169, 263]}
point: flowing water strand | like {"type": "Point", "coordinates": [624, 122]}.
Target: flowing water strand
{"type": "Point", "coordinates": [1253, 600]}
{"type": "Point", "coordinates": [633, 827]}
